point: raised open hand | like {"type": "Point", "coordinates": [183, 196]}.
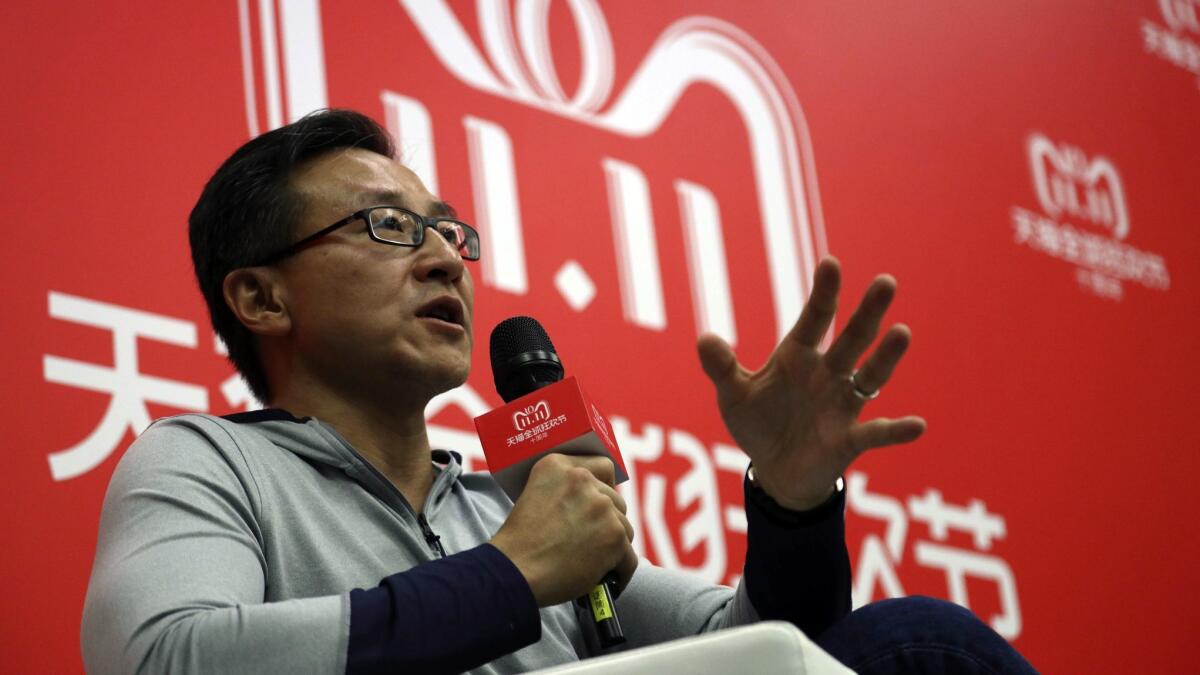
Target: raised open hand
{"type": "Point", "coordinates": [797, 416]}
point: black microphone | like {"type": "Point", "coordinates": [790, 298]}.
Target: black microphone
{"type": "Point", "coordinates": [523, 358]}
{"type": "Point", "coordinates": [523, 361]}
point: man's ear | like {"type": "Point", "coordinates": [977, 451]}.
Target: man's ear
{"type": "Point", "coordinates": [257, 297]}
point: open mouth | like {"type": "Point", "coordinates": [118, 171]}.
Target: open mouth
{"type": "Point", "coordinates": [446, 308]}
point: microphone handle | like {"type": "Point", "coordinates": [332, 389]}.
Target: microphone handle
{"type": "Point", "coordinates": [598, 604]}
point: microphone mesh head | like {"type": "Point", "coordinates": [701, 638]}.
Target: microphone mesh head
{"type": "Point", "coordinates": [523, 358]}
{"type": "Point", "coordinates": [517, 335]}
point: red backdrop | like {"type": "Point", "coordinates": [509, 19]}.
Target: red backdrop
{"type": "Point", "coordinates": [642, 171]}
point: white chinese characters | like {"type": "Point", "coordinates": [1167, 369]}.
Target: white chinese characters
{"type": "Point", "coordinates": [128, 388]}
{"type": "Point", "coordinates": [703, 530]}
{"type": "Point", "coordinates": [878, 557]}
{"type": "Point", "coordinates": [1176, 42]}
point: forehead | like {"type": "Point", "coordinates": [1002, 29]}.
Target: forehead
{"type": "Point", "coordinates": [340, 182]}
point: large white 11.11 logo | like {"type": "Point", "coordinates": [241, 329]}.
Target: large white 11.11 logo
{"type": "Point", "coordinates": [518, 67]}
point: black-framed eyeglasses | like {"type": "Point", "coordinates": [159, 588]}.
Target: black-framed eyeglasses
{"type": "Point", "coordinates": [399, 227]}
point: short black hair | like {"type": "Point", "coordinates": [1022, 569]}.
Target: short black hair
{"type": "Point", "coordinates": [248, 211]}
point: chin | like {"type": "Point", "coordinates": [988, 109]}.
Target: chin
{"type": "Point", "coordinates": [450, 376]}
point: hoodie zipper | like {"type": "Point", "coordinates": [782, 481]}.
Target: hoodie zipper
{"type": "Point", "coordinates": [431, 539]}
{"type": "Point", "coordinates": [434, 541]}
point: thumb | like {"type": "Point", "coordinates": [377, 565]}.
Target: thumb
{"type": "Point", "coordinates": [717, 359]}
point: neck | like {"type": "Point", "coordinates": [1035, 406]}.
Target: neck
{"type": "Point", "coordinates": [391, 436]}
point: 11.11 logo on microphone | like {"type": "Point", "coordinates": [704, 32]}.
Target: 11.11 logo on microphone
{"type": "Point", "coordinates": [532, 415]}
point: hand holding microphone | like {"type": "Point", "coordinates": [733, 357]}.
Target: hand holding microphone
{"type": "Point", "coordinates": [568, 529]}
{"type": "Point", "coordinates": [555, 455]}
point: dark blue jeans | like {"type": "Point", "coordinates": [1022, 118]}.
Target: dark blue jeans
{"type": "Point", "coordinates": [919, 635]}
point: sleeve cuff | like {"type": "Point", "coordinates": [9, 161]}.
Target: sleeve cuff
{"type": "Point", "coordinates": [447, 615]}
{"type": "Point", "coordinates": [519, 596]}
{"type": "Point", "coordinates": [797, 567]}
{"type": "Point", "coordinates": [758, 499]}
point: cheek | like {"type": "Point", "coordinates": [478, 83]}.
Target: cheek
{"type": "Point", "coordinates": [468, 291]}
{"type": "Point", "coordinates": [334, 296]}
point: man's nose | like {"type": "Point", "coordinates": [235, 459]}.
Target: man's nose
{"type": "Point", "coordinates": [437, 258]}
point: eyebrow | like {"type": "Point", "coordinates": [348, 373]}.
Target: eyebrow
{"type": "Point", "coordinates": [441, 208]}
{"type": "Point", "coordinates": [437, 209]}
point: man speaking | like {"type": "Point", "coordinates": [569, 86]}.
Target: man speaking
{"type": "Point", "coordinates": [324, 535]}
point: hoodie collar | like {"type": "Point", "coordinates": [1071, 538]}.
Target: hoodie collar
{"type": "Point", "coordinates": [319, 442]}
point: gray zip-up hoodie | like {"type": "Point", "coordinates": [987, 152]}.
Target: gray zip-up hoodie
{"type": "Point", "coordinates": [232, 546]}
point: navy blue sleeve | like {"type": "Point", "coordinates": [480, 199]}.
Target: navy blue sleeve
{"type": "Point", "coordinates": [797, 568]}
{"type": "Point", "coordinates": [445, 616]}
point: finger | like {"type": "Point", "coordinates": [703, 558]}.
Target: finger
{"type": "Point", "coordinates": [600, 466]}
{"type": "Point", "coordinates": [877, 369]}
{"type": "Point", "coordinates": [628, 527]}
{"type": "Point", "coordinates": [625, 569]}
{"type": "Point", "coordinates": [862, 327]}
{"type": "Point", "coordinates": [882, 431]}
{"type": "Point", "coordinates": [617, 500]}
{"type": "Point", "coordinates": [717, 359]}
{"type": "Point", "coordinates": [821, 306]}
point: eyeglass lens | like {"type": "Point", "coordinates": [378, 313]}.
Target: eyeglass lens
{"type": "Point", "coordinates": [402, 228]}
